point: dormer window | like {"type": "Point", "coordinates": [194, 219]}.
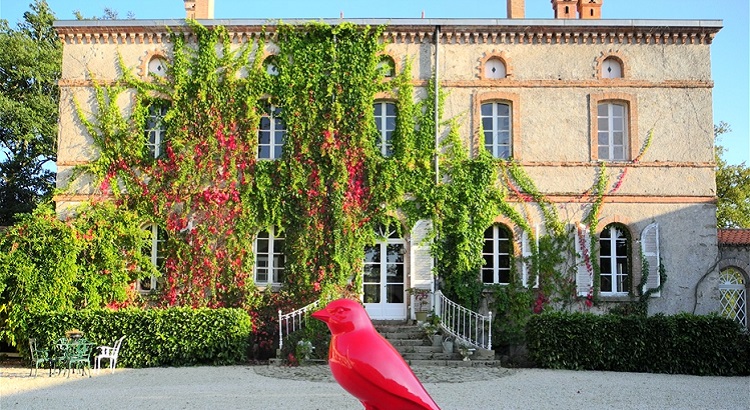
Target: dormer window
{"type": "Point", "coordinates": [271, 66]}
{"type": "Point", "coordinates": [157, 66]}
{"type": "Point", "coordinates": [387, 66]}
{"type": "Point", "coordinates": [494, 69]}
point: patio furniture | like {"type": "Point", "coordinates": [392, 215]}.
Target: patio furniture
{"type": "Point", "coordinates": [39, 357]}
{"type": "Point", "coordinates": [110, 353]}
{"type": "Point", "coordinates": [75, 354]}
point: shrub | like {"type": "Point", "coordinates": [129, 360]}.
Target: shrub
{"type": "Point", "coordinates": [684, 343]}
{"type": "Point", "coordinates": [155, 337]}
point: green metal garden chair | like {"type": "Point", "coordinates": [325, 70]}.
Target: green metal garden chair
{"type": "Point", "coordinates": [39, 357]}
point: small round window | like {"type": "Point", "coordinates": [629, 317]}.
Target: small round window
{"type": "Point", "coordinates": [494, 69]}
{"type": "Point", "coordinates": [387, 66]}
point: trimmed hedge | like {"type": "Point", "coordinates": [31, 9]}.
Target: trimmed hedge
{"type": "Point", "coordinates": [155, 337]}
{"type": "Point", "coordinates": [684, 343]}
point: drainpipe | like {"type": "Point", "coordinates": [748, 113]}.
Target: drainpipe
{"type": "Point", "coordinates": [437, 143]}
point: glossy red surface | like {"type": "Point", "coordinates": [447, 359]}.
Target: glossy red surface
{"type": "Point", "coordinates": [366, 365]}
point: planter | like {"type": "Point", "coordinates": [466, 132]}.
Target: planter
{"type": "Point", "coordinates": [421, 316]}
{"type": "Point", "coordinates": [437, 340]}
{"type": "Point", "coordinates": [448, 346]}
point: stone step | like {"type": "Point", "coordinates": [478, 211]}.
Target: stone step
{"type": "Point", "coordinates": [407, 342]}
{"type": "Point", "coordinates": [419, 349]}
{"type": "Point", "coordinates": [403, 334]}
{"type": "Point", "coordinates": [431, 356]}
{"type": "Point", "coordinates": [455, 363]}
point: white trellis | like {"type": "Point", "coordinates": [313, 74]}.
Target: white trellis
{"type": "Point", "coordinates": [733, 295]}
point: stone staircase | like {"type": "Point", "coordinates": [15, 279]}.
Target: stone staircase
{"type": "Point", "coordinates": [411, 342]}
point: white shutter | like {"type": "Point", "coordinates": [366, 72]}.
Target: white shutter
{"type": "Point", "coordinates": [650, 251]}
{"type": "Point", "coordinates": [585, 272]}
{"type": "Point", "coordinates": [526, 254]}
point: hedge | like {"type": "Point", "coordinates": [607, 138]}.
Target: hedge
{"type": "Point", "coordinates": [155, 337]}
{"type": "Point", "coordinates": [684, 343]}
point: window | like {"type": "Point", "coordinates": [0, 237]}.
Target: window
{"type": "Point", "coordinates": [269, 258]}
{"type": "Point", "coordinates": [387, 66]}
{"type": "Point", "coordinates": [384, 269]}
{"type": "Point", "coordinates": [157, 66]}
{"type": "Point", "coordinates": [385, 122]}
{"type": "Point", "coordinates": [496, 253]}
{"type": "Point", "coordinates": [611, 68]}
{"type": "Point", "coordinates": [612, 132]}
{"type": "Point", "coordinates": [496, 125]}
{"type": "Point", "coordinates": [271, 133]}
{"type": "Point", "coordinates": [614, 243]}
{"type": "Point", "coordinates": [494, 69]}
{"type": "Point", "coordinates": [157, 251]}
{"type": "Point", "coordinates": [733, 295]}
{"type": "Point", "coordinates": [271, 66]}
{"type": "Point", "coordinates": [155, 128]}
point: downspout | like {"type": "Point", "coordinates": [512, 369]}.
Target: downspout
{"type": "Point", "coordinates": [437, 151]}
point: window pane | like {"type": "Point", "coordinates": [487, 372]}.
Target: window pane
{"type": "Point", "coordinates": [606, 283]}
{"type": "Point", "coordinates": [504, 276]}
{"type": "Point", "coordinates": [487, 247]}
{"type": "Point", "coordinates": [390, 110]}
{"type": "Point", "coordinates": [618, 138]}
{"type": "Point", "coordinates": [395, 274]}
{"type": "Point", "coordinates": [265, 123]}
{"type": "Point", "coordinates": [618, 110]}
{"type": "Point", "coordinates": [486, 109]}
{"type": "Point", "coordinates": [372, 254]}
{"type": "Point", "coordinates": [503, 109]}
{"type": "Point", "coordinates": [377, 109]}
{"type": "Point", "coordinates": [390, 123]}
{"type": "Point", "coordinates": [487, 124]}
{"type": "Point", "coordinates": [503, 138]}
{"type": "Point", "coordinates": [487, 276]}
{"type": "Point", "coordinates": [262, 246]}
{"type": "Point", "coordinates": [504, 123]}
{"type": "Point", "coordinates": [603, 138]}
{"type": "Point", "coordinates": [371, 294]}
{"type": "Point", "coordinates": [504, 262]}
{"type": "Point", "coordinates": [488, 262]}
{"type": "Point", "coordinates": [371, 273]}
{"type": "Point", "coordinates": [617, 123]}
{"type": "Point", "coordinates": [504, 247]}
{"type": "Point", "coordinates": [603, 153]}
{"type": "Point", "coordinates": [395, 253]}
{"type": "Point", "coordinates": [603, 124]}
{"type": "Point", "coordinates": [603, 110]}
{"type": "Point", "coordinates": [618, 153]}
{"type": "Point", "coordinates": [264, 152]}
{"type": "Point", "coordinates": [503, 152]}
{"type": "Point", "coordinates": [395, 293]}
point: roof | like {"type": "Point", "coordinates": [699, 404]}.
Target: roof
{"type": "Point", "coordinates": [482, 30]}
{"type": "Point", "coordinates": [734, 237]}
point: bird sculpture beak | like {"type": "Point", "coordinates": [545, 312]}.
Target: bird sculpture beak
{"type": "Point", "coordinates": [321, 315]}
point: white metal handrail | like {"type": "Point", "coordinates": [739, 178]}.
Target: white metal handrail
{"type": "Point", "coordinates": [293, 321]}
{"type": "Point", "coordinates": [462, 323]}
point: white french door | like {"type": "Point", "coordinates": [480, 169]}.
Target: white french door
{"type": "Point", "coordinates": [383, 280]}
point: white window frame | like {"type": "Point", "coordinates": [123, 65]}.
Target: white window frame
{"type": "Point", "coordinates": [155, 129]}
{"type": "Point", "coordinates": [275, 260]}
{"type": "Point", "coordinates": [496, 255]}
{"type": "Point", "coordinates": [496, 129]}
{"type": "Point", "coordinates": [733, 291]}
{"type": "Point", "coordinates": [157, 253]}
{"type": "Point", "coordinates": [384, 142]}
{"type": "Point", "coordinates": [609, 125]}
{"type": "Point", "coordinates": [272, 114]}
{"type": "Point", "coordinates": [620, 273]}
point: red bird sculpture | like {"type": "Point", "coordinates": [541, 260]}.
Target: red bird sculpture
{"type": "Point", "coordinates": [366, 365]}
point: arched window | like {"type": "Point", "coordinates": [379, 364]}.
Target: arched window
{"type": "Point", "coordinates": [271, 133]}
{"type": "Point", "coordinates": [612, 131]}
{"type": "Point", "coordinates": [497, 251]}
{"type": "Point", "coordinates": [157, 66]}
{"type": "Point", "coordinates": [733, 292]}
{"type": "Point", "coordinates": [385, 122]}
{"type": "Point", "coordinates": [611, 68]}
{"type": "Point", "coordinates": [271, 65]}
{"type": "Point", "coordinates": [157, 252]}
{"type": "Point", "coordinates": [614, 260]}
{"type": "Point", "coordinates": [497, 128]}
{"type": "Point", "coordinates": [494, 69]}
{"type": "Point", "coordinates": [269, 258]}
{"type": "Point", "coordinates": [387, 66]}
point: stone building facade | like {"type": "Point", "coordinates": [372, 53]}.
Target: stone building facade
{"type": "Point", "coordinates": [561, 96]}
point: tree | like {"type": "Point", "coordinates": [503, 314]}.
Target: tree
{"type": "Point", "coordinates": [30, 63]}
{"type": "Point", "coordinates": [732, 188]}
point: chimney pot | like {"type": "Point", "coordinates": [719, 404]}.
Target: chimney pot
{"type": "Point", "coordinates": [516, 9]}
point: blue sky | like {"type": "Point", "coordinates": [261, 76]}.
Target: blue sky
{"type": "Point", "coordinates": [729, 52]}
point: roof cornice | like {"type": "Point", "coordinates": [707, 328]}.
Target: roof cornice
{"type": "Point", "coordinates": [456, 31]}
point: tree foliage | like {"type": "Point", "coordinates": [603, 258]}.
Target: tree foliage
{"type": "Point", "coordinates": [30, 61]}
{"type": "Point", "coordinates": [732, 188]}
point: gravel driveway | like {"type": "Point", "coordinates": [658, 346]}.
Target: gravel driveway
{"type": "Point", "coordinates": [311, 387]}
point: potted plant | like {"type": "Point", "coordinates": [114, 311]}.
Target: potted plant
{"type": "Point", "coordinates": [464, 349]}
{"type": "Point", "coordinates": [421, 302]}
{"type": "Point", "coordinates": [431, 326]}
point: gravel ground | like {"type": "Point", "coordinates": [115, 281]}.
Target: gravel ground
{"type": "Point", "coordinates": [311, 387]}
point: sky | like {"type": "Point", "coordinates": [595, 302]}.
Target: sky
{"type": "Point", "coordinates": [729, 51]}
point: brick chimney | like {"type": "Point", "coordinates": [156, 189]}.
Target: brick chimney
{"type": "Point", "coordinates": [565, 9]}
{"type": "Point", "coordinates": [199, 9]}
{"type": "Point", "coordinates": [516, 9]}
{"type": "Point", "coordinates": [590, 9]}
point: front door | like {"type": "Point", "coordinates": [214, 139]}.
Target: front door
{"type": "Point", "coordinates": [383, 280]}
